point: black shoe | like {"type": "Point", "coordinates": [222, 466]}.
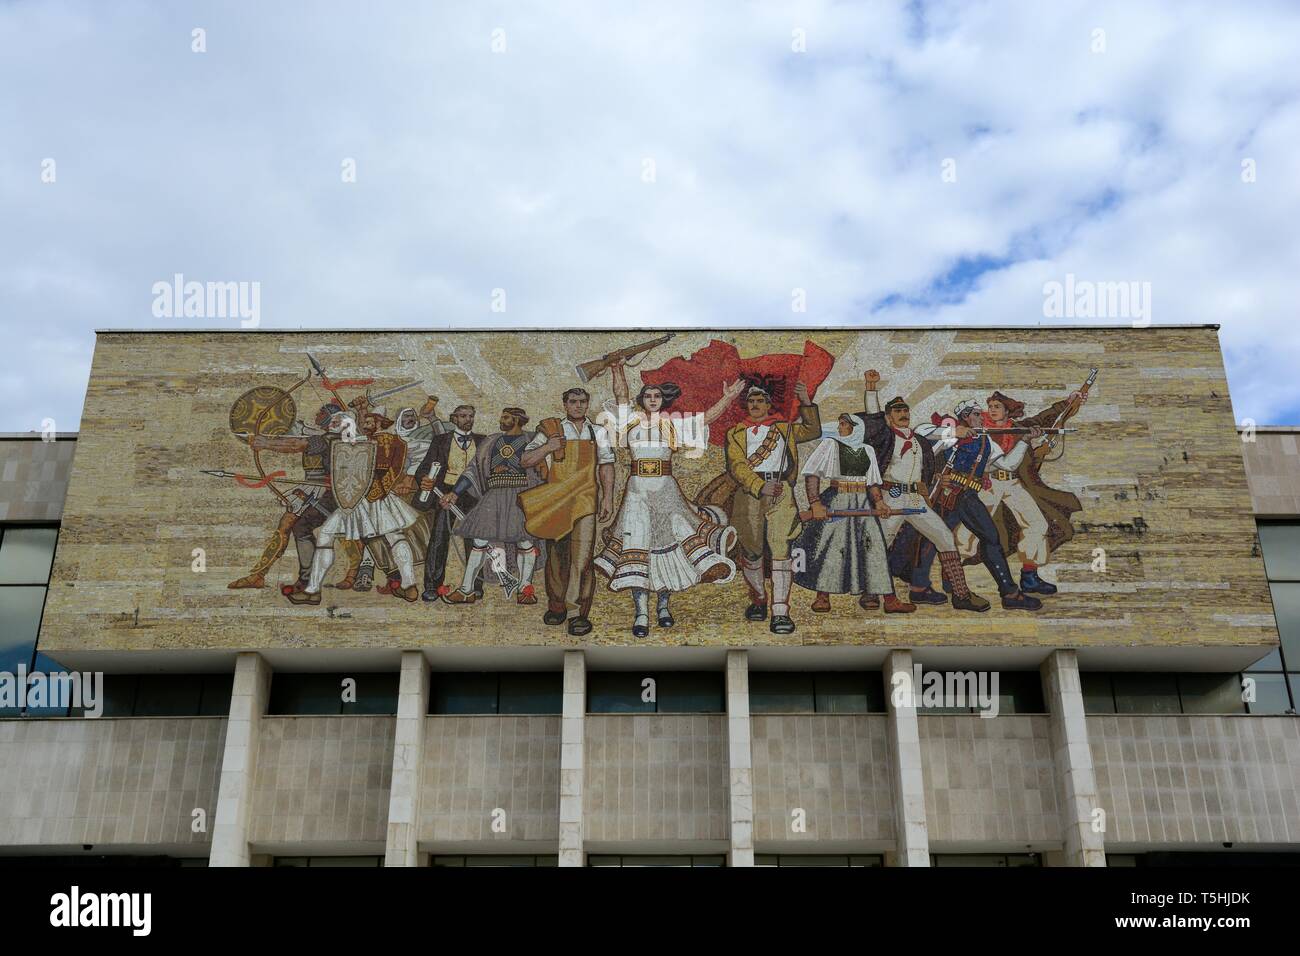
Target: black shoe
{"type": "Point", "coordinates": [756, 612]}
{"type": "Point", "coordinates": [928, 596]}
{"type": "Point", "coordinates": [972, 603]}
{"type": "Point", "coordinates": [640, 630]}
{"type": "Point", "coordinates": [429, 594]}
{"type": "Point", "coordinates": [781, 624]}
{"type": "Point", "coordinates": [1020, 602]}
{"type": "Point", "coordinates": [554, 617]}
{"type": "Point", "coordinates": [666, 620]}
{"type": "Point", "coordinates": [579, 626]}
{"type": "Point", "coordinates": [1031, 583]}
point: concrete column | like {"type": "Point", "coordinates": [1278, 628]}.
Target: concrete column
{"type": "Point", "coordinates": [911, 833]}
{"type": "Point", "coordinates": [408, 757]}
{"type": "Point", "coordinates": [248, 700]}
{"type": "Point", "coordinates": [1076, 783]}
{"type": "Point", "coordinates": [572, 758]}
{"type": "Point", "coordinates": [740, 760]}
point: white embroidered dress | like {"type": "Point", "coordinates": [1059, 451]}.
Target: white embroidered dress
{"type": "Point", "coordinates": [660, 541]}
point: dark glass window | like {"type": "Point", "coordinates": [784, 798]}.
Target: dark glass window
{"type": "Point", "coordinates": [649, 860]}
{"type": "Point", "coordinates": [301, 694]}
{"type": "Point", "coordinates": [1280, 542]}
{"type": "Point", "coordinates": [668, 692]}
{"type": "Point", "coordinates": [20, 620]}
{"type": "Point", "coordinates": [986, 859]}
{"type": "Point", "coordinates": [815, 859]}
{"type": "Point", "coordinates": [1020, 692]}
{"type": "Point", "coordinates": [1146, 693]}
{"type": "Point", "coordinates": [1270, 694]}
{"type": "Point", "coordinates": [808, 692]}
{"type": "Point", "coordinates": [1286, 606]}
{"type": "Point", "coordinates": [490, 859]}
{"type": "Point", "coordinates": [1211, 693]}
{"type": "Point", "coordinates": [508, 692]}
{"type": "Point", "coordinates": [26, 554]}
{"type": "Point", "coordinates": [1098, 694]}
{"type": "Point", "coordinates": [361, 861]}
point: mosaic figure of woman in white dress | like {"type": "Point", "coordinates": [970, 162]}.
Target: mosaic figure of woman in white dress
{"type": "Point", "coordinates": [659, 541]}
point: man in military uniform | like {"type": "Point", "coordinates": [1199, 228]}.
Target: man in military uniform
{"type": "Point", "coordinates": [497, 476]}
{"type": "Point", "coordinates": [762, 456]}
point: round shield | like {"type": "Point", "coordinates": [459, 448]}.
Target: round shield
{"type": "Point", "coordinates": [251, 408]}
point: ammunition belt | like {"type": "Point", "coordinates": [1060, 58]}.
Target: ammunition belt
{"type": "Point", "coordinates": [966, 481]}
{"type": "Point", "coordinates": [850, 486]}
{"type": "Point", "coordinates": [905, 488]}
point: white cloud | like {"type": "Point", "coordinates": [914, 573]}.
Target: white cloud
{"type": "Point", "coordinates": [523, 170]}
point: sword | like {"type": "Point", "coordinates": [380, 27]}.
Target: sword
{"type": "Point", "coordinates": [371, 399]}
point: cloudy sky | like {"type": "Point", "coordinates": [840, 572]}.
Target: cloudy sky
{"type": "Point", "coordinates": [646, 164]}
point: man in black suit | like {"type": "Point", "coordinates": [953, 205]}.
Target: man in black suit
{"type": "Point", "coordinates": [451, 452]}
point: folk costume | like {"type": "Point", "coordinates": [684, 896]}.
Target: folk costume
{"type": "Point", "coordinates": [659, 541]}
{"type": "Point", "coordinates": [845, 555]}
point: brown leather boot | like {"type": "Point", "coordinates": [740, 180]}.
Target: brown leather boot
{"type": "Point", "coordinates": [894, 606]}
{"type": "Point", "coordinates": [248, 581]}
{"type": "Point", "coordinates": [822, 603]}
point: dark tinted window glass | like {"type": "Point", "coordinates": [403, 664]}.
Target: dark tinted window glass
{"type": "Point", "coordinates": [376, 694]}
{"type": "Point", "coordinates": [323, 694]}
{"type": "Point", "coordinates": [1280, 542]}
{"type": "Point", "coordinates": [531, 693]}
{"type": "Point", "coordinates": [26, 554]}
{"type": "Point", "coordinates": [781, 693]}
{"type": "Point", "coordinates": [1098, 698]}
{"type": "Point", "coordinates": [849, 692]}
{"type": "Point", "coordinates": [680, 692]}
{"type": "Point", "coordinates": [613, 692]}
{"type": "Point", "coordinates": [1146, 693]}
{"type": "Point", "coordinates": [1286, 605]}
{"type": "Point", "coordinates": [119, 695]}
{"type": "Point", "coordinates": [216, 695]}
{"type": "Point", "coordinates": [1270, 694]}
{"type": "Point", "coordinates": [463, 693]}
{"type": "Point", "coordinates": [1020, 692]}
{"type": "Point", "coordinates": [168, 695]}
{"type": "Point", "coordinates": [20, 619]}
{"type": "Point", "coordinates": [1211, 694]}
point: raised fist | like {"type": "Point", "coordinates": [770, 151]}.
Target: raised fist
{"type": "Point", "coordinates": [872, 378]}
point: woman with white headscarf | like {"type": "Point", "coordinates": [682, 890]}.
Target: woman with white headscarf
{"type": "Point", "coordinates": [845, 554]}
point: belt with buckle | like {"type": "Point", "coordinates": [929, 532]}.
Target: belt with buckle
{"type": "Point", "coordinates": [770, 475]}
{"type": "Point", "coordinates": [850, 486]}
{"type": "Point", "coordinates": [1002, 475]}
{"type": "Point", "coordinates": [653, 467]}
{"type": "Point", "coordinates": [896, 488]}
{"type": "Point", "coordinates": [966, 481]}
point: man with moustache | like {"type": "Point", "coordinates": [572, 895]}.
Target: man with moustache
{"type": "Point", "coordinates": [451, 452]}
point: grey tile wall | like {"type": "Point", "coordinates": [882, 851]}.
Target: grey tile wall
{"type": "Point", "coordinates": [34, 478]}
{"type": "Point", "coordinates": [109, 781]}
{"type": "Point", "coordinates": [1197, 778]}
{"type": "Point", "coordinates": [322, 779]}
{"type": "Point", "coordinates": [656, 777]}
{"type": "Point", "coordinates": [476, 765]}
{"type": "Point", "coordinates": [1273, 472]}
{"type": "Point", "coordinates": [989, 780]}
{"type": "Point", "coordinates": [833, 767]}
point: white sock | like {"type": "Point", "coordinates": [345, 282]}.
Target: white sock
{"type": "Point", "coordinates": [320, 565]}
{"type": "Point", "coordinates": [405, 562]}
{"type": "Point", "coordinates": [527, 561]}
{"type": "Point", "coordinates": [477, 555]}
{"type": "Point", "coordinates": [781, 576]}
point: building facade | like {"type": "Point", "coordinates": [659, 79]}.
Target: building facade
{"type": "Point", "coordinates": [499, 697]}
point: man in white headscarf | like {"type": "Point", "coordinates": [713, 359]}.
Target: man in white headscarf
{"type": "Point", "coordinates": [845, 552]}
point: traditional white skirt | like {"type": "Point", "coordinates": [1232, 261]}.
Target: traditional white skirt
{"type": "Point", "coordinates": [370, 519]}
{"type": "Point", "coordinates": [661, 542]}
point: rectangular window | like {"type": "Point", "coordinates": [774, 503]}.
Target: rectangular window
{"type": "Point", "coordinates": [1211, 694]}
{"type": "Point", "coordinates": [1098, 694]}
{"type": "Point", "coordinates": [488, 859]}
{"type": "Point", "coordinates": [822, 692]}
{"type": "Point", "coordinates": [508, 692]}
{"type": "Point", "coordinates": [1271, 695]}
{"type": "Point", "coordinates": [26, 554]}
{"type": "Point", "coordinates": [816, 859]}
{"type": "Point", "coordinates": [663, 692]}
{"type": "Point", "coordinates": [463, 693]}
{"type": "Point", "coordinates": [323, 694]}
{"type": "Point", "coordinates": [782, 693]}
{"type": "Point", "coordinates": [1280, 542]}
{"type": "Point", "coordinates": [648, 860]}
{"type": "Point", "coordinates": [1146, 694]}
{"type": "Point", "coordinates": [1286, 606]}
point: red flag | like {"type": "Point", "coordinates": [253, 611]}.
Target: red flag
{"type": "Point", "coordinates": [702, 377]}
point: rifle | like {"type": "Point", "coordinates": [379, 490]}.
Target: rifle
{"type": "Point", "coordinates": [861, 513]}
{"type": "Point", "coordinates": [1042, 451]}
{"type": "Point", "coordinates": [1017, 430]}
{"type": "Point", "coordinates": [589, 370]}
